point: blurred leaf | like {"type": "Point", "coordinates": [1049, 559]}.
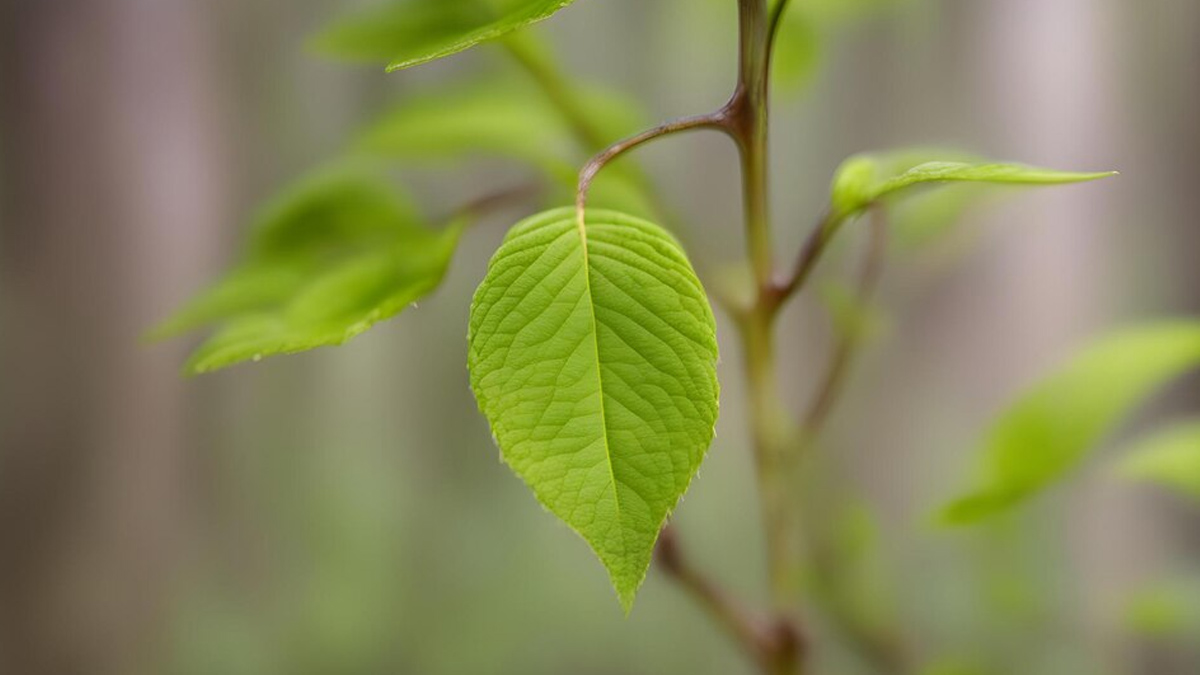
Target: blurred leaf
{"type": "Point", "coordinates": [322, 219]}
{"type": "Point", "coordinates": [410, 33]}
{"type": "Point", "coordinates": [593, 356]}
{"type": "Point", "coordinates": [1051, 428]}
{"type": "Point", "coordinates": [336, 304]}
{"type": "Point", "coordinates": [1170, 457]}
{"type": "Point", "coordinates": [1168, 608]}
{"type": "Point", "coordinates": [503, 119]}
{"type": "Point", "coordinates": [865, 179]}
{"type": "Point", "coordinates": [506, 118]}
{"type": "Point", "coordinates": [328, 259]}
{"type": "Point", "coordinates": [806, 29]}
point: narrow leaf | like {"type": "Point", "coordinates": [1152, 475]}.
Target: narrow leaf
{"type": "Point", "coordinates": [1050, 429]}
{"type": "Point", "coordinates": [411, 33]}
{"type": "Point", "coordinates": [865, 179]}
{"type": "Point", "coordinates": [593, 356]}
{"type": "Point", "coordinates": [1170, 458]}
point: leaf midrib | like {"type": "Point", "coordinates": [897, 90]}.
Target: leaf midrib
{"type": "Point", "coordinates": [581, 228]}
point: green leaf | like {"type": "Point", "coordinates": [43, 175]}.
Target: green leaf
{"type": "Point", "coordinates": [866, 179]}
{"type": "Point", "coordinates": [505, 118]}
{"type": "Point", "coordinates": [1052, 427]}
{"type": "Point", "coordinates": [327, 259]}
{"type": "Point", "coordinates": [1170, 457]}
{"type": "Point", "coordinates": [593, 356]}
{"type": "Point", "coordinates": [1168, 608]}
{"type": "Point", "coordinates": [337, 305]}
{"type": "Point", "coordinates": [411, 33]}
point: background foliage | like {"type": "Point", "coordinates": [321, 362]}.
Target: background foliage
{"type": "Point", "coordinates": [342, 511]}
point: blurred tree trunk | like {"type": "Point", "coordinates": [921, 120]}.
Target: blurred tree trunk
{"type": "Point", "coordinates": [107, 119]}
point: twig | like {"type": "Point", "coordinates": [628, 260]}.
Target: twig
{"type": "Point", "coordinates": [714, 120]}
{"type": "Point", "coordinates": [810, 254]}
{"type": "Point", "coordinates": [773, 644]}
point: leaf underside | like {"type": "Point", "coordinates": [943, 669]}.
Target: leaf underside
{"type": "Point", "coordinates": [1051, 428]}
{"type": "Point", "coordinates": [593, 356]}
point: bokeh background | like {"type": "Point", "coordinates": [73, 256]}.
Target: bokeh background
{"type": "Point", "coordinates": [344, 511]}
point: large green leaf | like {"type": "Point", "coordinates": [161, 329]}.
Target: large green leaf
{"type": "Point", "coordinates": [1169, 457]}
{"type": "Point", "coordinates": [866, 179]}
{"type": "Point", "coordinates": [593, 356]}
{"type": "Point", "coordinates": [413, 32]}
{"type": "Point", "coordinates": [1053, 426]}
{"type": "Point", "coordinates": [326, 260]}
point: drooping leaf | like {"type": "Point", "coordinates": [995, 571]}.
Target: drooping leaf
{"type": "Point", "coordinates": [866, 179]}
{"type": "Point", "coordinates": [406, 34]}
{"type": "Point", "coordinates": [322, 219]}
{"type": "Point", "coordinates": [326, 260]}
{"type": "Point", "coordinates": [1050, 428]}
{"type": "Point", "coordinates": [337, 305]}
{"type": "Point", "coordinates": [1170, 457]}
{"type": "Point", "coordinates": [592, 355]}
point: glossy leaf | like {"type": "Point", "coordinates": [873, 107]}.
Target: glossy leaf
{"type": "Point", "coordinates": [326, 260]}
{"type": "Point", "coordinates": [866, 179]}
{"type": "Point", "coordinates": [1050, 429]}
{"type": "Point", "coordinates": [593, 356]}
{"type": "Point", "coordinates": [407, 34]}
{"type": "Point", "coordinates": [1170, 458]}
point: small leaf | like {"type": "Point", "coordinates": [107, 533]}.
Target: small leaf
{"type": "Point", "coordinates": [1170, 458]}
{"type": "Point", "coordinates": [865, 179]}
{"type": "Point", "coordinates": [1167, 608]}
{"type": "Point", "coordinates": [1051, 428]}
{"type": "Point", "coordinates": [326, 260]}
{"type": "Point", "coordinates": [408, 34]}
{"type": "Point", "coordinates": [593, 356]}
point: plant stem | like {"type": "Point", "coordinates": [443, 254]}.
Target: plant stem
{"type": "Point", "coordinates": [749, 108]}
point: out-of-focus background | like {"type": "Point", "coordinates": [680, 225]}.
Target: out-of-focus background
{"type": "Point", "coordinates": [344, 511]}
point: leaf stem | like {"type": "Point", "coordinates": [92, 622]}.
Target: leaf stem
{"type": "Point", "coordinates": [714, 120]}
{"type": "Point", "coordinates": [761, 640]}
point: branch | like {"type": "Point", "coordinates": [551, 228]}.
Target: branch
{"type": "Point", "coordinates": [714, 120]}
{"type": "Point", "coordinates": [774, 645]}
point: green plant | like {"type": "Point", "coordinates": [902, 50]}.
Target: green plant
{"type": "Point", "coordinates": [592, 346]}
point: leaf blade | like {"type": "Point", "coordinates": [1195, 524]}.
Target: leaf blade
{"type": "Point", "coordinates": [1169, 458]}
{"type": "Point", "coordinates": [1050, 428]}
{"type": "Point", "coordinates": [592, 355]}
{"type": "Point", "coordinates": [867, 179]}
